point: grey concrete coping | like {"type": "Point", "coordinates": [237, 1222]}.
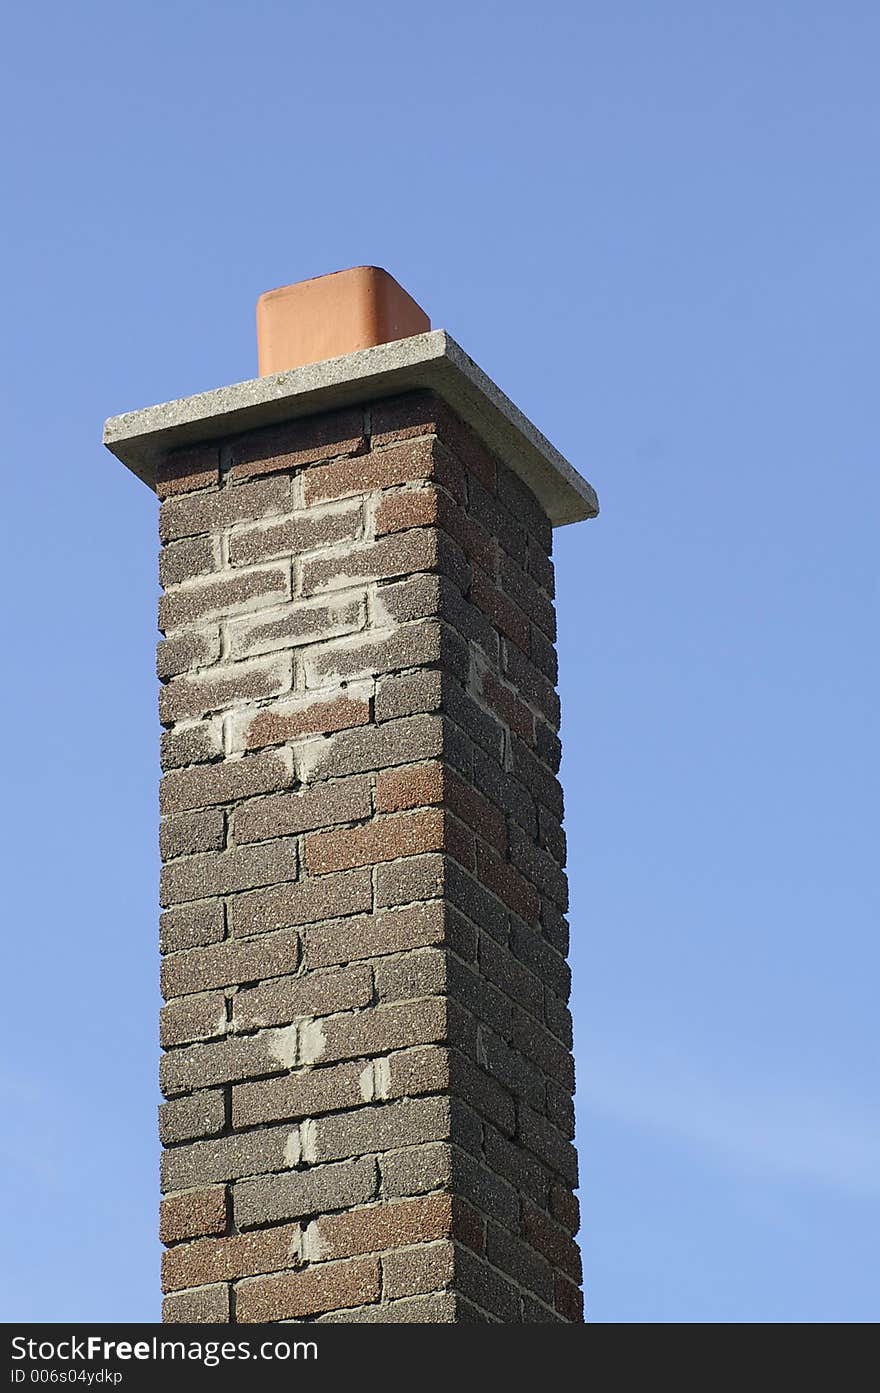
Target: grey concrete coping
{"type": "Point", "coordinates": [433, 360]}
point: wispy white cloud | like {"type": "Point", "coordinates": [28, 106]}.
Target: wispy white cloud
{"type": "Point", "coordinates": [791, 1134]}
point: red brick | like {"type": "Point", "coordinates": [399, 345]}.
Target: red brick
{"type": "Point", "coordinates": [183, 471]}
{"type": "Point", "coordinates": [192, 1214]}
{"type": "Point", "coordinates": [319, 718]}
{"type": "Point", "coordinates": [427, 1268]}
{"type": "Point", "coordinates": [329, 1286]}
{"type": "Point", "coordinates": [299, 442]}
{"type": "Point", "coordinates": [195, 556]}
{"type": "Point", "coordinates": [505, 615]}
{"type": "Point", "coordinates": [384, 839]}
{"type": "Point", "coordinates": [383, 1226]}
{"type": "Point", "coordinates": [210, 1260]}
{"type": "Point", "coordinates": [409, 786]}
{"type": "Point", "coordinates": [507, 705]}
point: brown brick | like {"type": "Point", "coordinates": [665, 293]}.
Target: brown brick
{"type": "Point", "coordinates": [399, 555]}
{"type": "Point", "coordinates": [207, 512]}
{"type": "Point", "coordinates": [394, 931]}
{"type": "Point", "coordinates": [415, 878]}
{"type": "Point", "coordinates": [409, 786]}
{"type": "Point", "coordinates": [198, 696]}
{"type": "Point", "coordinates": [531, 684]}
{"type": "Point", "coordinates": [564, 1207]}
{"type": "Point", "coordinates": [183, 471]}
{"type": "Point", "coordinates": [299, 442]}
{"type": "Point", "coordinates": [569, 1301]}
{"type": "Point", "coordinates": [408, 694]}
{"type": "Point", "coordinates": [182, 789]}
{"type": "Point", "coordinates": [320, 897]}
{"type": "Point", "coordinates": [201, 1114]}
{"type": "Point", "coordinates": [294, 535]}
{"type": "Point", "coordinates": [507, 883]}
{"type": "Point", "coordinates": [408, 462]}
{"type": "Point", "coordinates": [192, 649]}
{"type": "Point", "coordinates": [547, 1143]}
{"type": "Point", "coordinates": [214, 598]}
{"type": "Point", "coordinates": [412, 645]}
{"type": "Point", "coordinates": [383, 839]}
{"type": "Point", "coordinates": [527, 595]}
{"type": "Point", "coordinates": [394, 742]}
{"type": "Point", "coordinates": [484, 1284]}
{"type": "Point", "coordinates": [312, 994]}
{"type": "Point", "coordinates": [377, 1031]}
{"type": "Point", "coordinates": [192, 1018]}
{"type": "Point", "coordinates": [191, 744]}
{"type": "Point", "coordinates": [390, 1125]}
{"type": "Point", "coordinates": [338, 800]}
{"type": "Point", "coordinates": [329, 1286]}
{"type": "Point", "coordinates": [227, 1061]}
{"type": "Point", "coordinates": [518, 1260]}
{"type": "Point", "coordinates": [195, 556]}
{"type": "Point", "coordinates": [405, 508]}
{"type": "Point", "coordinates": [441, 1307]}
{"type": "Point", "coordinates": [228, 1158]}
{"type": "Point", "coordinates": [411, 975]}
{"type": "Point", "coordinates": [505, 703]}
{"type": "Point", "coordinates": [274, 726]}
{"type": "Point", "coordinates": [297, 1194]}
{"type": "Point", "coordinates": [505, 615]}
{"type": "Point", "coordinates": [192, 1214]}
{"type": "Point", "coordinates": [381, 1226]}
{"type": "Point", "coordinates": [515, 494]}
{"type": "Point", "coordinates": [417, 1170]}
{"type": "Point", "coordinates": [304, 1093]}
{"type": "Point", "coordinates": [241, 868]}
{"type": "Point", "coordinates": [226, 964]}
{"type": "Point", "coordinates": [552, 1239]}
{"type": "Point", "coordinates": [191, 832]}
{"type": "Point", "coordinates": [428, 1268]}
{"type": "Point", "coordinates": [405, 416]}
{"type": "Point", "coordinates": [210, 1260]}
{"type": "Point", "coordinates": [295, 625]}
{"type": "Point", "coordinates": [190, 926]}
{"type": "Point", "coordinates": [201, 1306]}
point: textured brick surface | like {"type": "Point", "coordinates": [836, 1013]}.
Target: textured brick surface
{"type": "Point", "coordinates": [367, 1043]}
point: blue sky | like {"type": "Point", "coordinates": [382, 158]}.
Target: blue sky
{"type": "Point", "coordinates": [656, 226]}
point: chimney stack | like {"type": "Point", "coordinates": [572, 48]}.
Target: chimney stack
{"type": "Point", "coordinates": [366, 1037]}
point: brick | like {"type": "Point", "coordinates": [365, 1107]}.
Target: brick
{"type": "Point", "coordinates": [210, 1260]}
{"type": "Point", "coordinates": [413, 1271]}
{"type": "Point", "coordinates": [509, 1160]}
{"type": "Point", "coordinates": [187, 517]}
{"type": "Point", "coordinates": [541, 957]}
{"type": "Point", "coordinates": [298, 442]}
{"type": "Point", "coordinates": [499, 966]}
{"type": "Point", "coordinates": [527, 595]}
{"type": "Point", "coordinates": [483, 1284]}
{"type": "Point", "coordinates": [441, 1307]}
{"type": "Point", "coordinates": [412, 975]}
{"type": "Point", "coordinates": [179, 561]}
{"type": "Point", "coordinates": [294, 625]}
{"type": "Point", "coordinates": [294, 720]}
{"type": "Point", "coordinates": [409, 786]}
{"type": "Point", "coordinates": [190, 926]}
{"type": "Point", "coordinates": [226, 686]}
{"type": "Point", "coordinates": [193, 649]}
{"type": "Point", "coordinates": [398, 555]}
{"type": "Point", "coordinates": [506, 1065]}
{"type": "Point", "coordinates": [504, 614]}
{"type": "Point", "coordinates": [382, 1226]}
{"type": "Point", "coordinates": [507, 883]}
{"type": "Point", "coordinates": [540, 565]}
{"type": "Point", "coordinates": [304, 1093]}
{"type": "Point", "coordinates": [534, 1312]}
{"type": "Point", "coordinates": [404, 508]}
{"type": "Point", "coordinates": [394, 931]}
{"type": "Point", "coordinates": [192, 1214]}
{"type": "Point", "coordinates": [415, 878]}
{"type": "Point", "coordinates": [569, 1301]}
{"type": "Point", "coordinates": [330, 1286]}
{"type": "Point", "coordinates": [379, 1128]}
{"type": "Point", "coordinates": [560, 1108]}
{"type": "Point", "coordinates": [394, 742]}
{"type": "Point", "coordinates": [229, 1158]}
{"type": "Point", "coordinates": [401, 601]}
{"type": "Point", "coordinates": [552, 1239]}
{"type": "Point", "coordinates": [377, 1031]}
{"type": "Point", "coordinates": [505, 703]}
{"type": "Point", "coordinates": [313, 994]}
{"type": "Point", "coordinates": [403, 463]}
{"type": "Point", "coordinates": [564, 1207]}
{"type": "Point", "coordinates": [488, 1192]}
{"type": "Point", "coordinates": [338, 800]}
{"type": "Point", "coordinates": [214, 598]}
{"type": "Point", "coordinates": [383, 839]}
{"type": "Point", "coordinates": [535, 1043]}
{"type": "Point", "coordinates": [498, 521]}
{"type": "Point", "coordinates": [515, 494]}
{"type": "Point", "coordinates": [201, 1306]}
{"type": "Point", "coordinates": [227, 782]}
{"type": "Point", "coordinates": [190, 1018]}
{"type": "Point", "coordinates": [192, 832]}
{"type": "Point", "coordinates": [519, 1261]}
{"type": "Point", "coordinates": [227, 964]}
{"type": "Point", "coordinates": [182, 471]}
{"type": "Point", "coordinates": [294, 535]}
{"type": "Point", "coordinates": [241, 868]}
{"type": "Point", "coordinates": [313, 899]}
{"type": "Point", "coordinates": [473, 900]}
{"type": "Point", "coordinates": [417, 1170]}
{"type": "Point", "coordinates": [531, 684]}
{"type": "Point", "coordinates": [298, 1194]}
{"type": "Point", "coordinates": [191, 744]}
{"type": "Point", "coordinates": [408, 694]}
{"type": "Point", "coordinates": [407, 415]}
{"type": "Point", "coordinates": [228, 1061]}
{"type": "Point", "coordinates": [548, 1144]}
{"type": "Point", "coordinates": [201, 1114]}
{"type": "Point", "coordinates": [413, 645]}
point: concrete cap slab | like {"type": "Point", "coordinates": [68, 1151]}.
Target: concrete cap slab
{"type": "Point", "coordinates": [432, 361]}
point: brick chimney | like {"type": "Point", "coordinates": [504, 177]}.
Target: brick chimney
{"type": "Point", "coordinates": [367, 1043]}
